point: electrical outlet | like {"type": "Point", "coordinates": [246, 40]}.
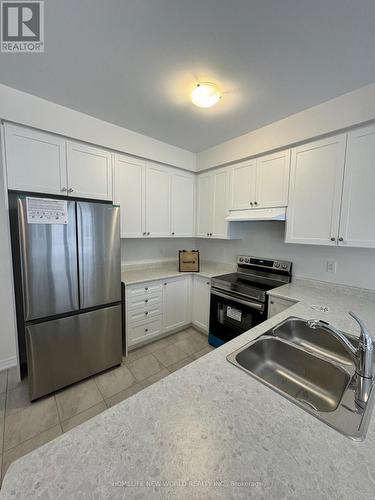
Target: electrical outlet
{"type": "Point", "coordinates": [331, 266]}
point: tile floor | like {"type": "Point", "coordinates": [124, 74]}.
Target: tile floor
{"type": "Point", "coordinates": [25, 426]}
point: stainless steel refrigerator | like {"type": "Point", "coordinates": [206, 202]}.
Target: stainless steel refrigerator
{"type": "Point", "coordinates": [68, 294]}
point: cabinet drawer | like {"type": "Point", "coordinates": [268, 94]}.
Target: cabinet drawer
{"type": "Point", "coordinates": [142, 302]}
{"type": "Point", "coordinates": [143, 289]}
{"type": "Point", "coordinates": [141, 331]}
{"type": "Point", "coordinates": [146, 313]}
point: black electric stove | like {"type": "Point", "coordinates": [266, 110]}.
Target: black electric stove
{"type": "Point", "coordinates": [239, 300]}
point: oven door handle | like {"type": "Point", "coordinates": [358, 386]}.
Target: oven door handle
{"type": "Point", "coordinates": [254, 305]}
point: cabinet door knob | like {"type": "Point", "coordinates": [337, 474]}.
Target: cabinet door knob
{"type": "Point", "coordinates": [144, 234]}
{"type": "Point", "coordinates": [146, 329]}
{"type": "Point", "coordinates": [146, 288]}
{"type": "Point", "coordinates": [333, 239]}
{"type": "Point", "coordinates": [70, 190]}
{"type": "Point", "coordinates": [63, 189]}
{"type": "Point", "coordinates": [165, 284]}
{"type": "Point", "coordinates": [256, 203]}
{"type": "Point", "coordinates": [341, 238]}
{"type": "Point", "coordinates": [146, 313]}
{"type": "Point", "coordinates": [272, 302]}
{"type": "Point", "coordinates": [251, 203]}
{"type": "Point", "coordinates": [207, 283]}
{"type": "Point", "coordinates": [146, 301]}
{"type": "Point", "coordinates": [172, 234]}
{"type": "Point", "coordinates": [148, 234]}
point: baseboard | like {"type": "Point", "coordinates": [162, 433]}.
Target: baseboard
{"type": "Point", "coordinates": [8, 363]}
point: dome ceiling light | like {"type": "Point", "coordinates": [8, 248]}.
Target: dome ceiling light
{"type": "Point", "coordinates": [205, 95]}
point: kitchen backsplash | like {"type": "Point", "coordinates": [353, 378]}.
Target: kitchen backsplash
{"type": "Point", "coordinates": [355, 266]}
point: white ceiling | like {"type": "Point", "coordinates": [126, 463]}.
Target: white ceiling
{"type": "Point", "coordinates": [133, 63]}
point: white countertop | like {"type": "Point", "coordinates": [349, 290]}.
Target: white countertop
{"type": "Point", "coordinates": [137, 274]}
{"type": "Point", "coordinates": [203, 431]}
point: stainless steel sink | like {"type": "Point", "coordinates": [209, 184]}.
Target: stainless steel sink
{"type": "Point", "coordinates": [317, 341]}
{"type": "Point", "coordinates": [310, 368]}
{"type": "Point", "coordinates": [303, 376]}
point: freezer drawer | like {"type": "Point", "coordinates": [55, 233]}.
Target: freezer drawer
{"type": "Point", "coordinates": [99, 254]}
{"type": "Point", "coordinates": [66, 350]}
{"type": "Point", "coordinates": [49, 265]}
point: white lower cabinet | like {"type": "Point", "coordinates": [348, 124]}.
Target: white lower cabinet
{"type": "Point", "coordinates": [176, 303]}
{"type": "Point", "coordinates": [139, 332]}
{"type": "Point", "coordinates": [157, 307]}
{"type": "Point", "coordinates": [201, 302]}
{"type": "Point", "coordinates": [277, 305]}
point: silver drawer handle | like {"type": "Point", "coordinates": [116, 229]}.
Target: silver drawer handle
{"type": "Point", "coordinates": [70, 190]}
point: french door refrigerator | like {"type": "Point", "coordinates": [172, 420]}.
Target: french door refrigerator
{"type": "Point", "coordinates": [68, 292]}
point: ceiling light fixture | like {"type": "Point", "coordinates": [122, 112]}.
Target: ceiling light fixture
{"type": "Point", "coordinates": [205, 95]}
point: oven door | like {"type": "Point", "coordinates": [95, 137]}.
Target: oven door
{"type": "Point", "coordinates": [231, 315]}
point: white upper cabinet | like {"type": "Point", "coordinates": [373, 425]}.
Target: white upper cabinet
{"type": "Point", "coordinates": [357, 228]}
{"type": "Point", "coordinates": [316, 181]}
{"type": "Point", "coordinates": [243, 188]}
{"type": "Point", "coordinates": [261, 182]}
{"type": "Point", "coordinates": [204, 204]}
{"type": "Point", "coordinates": [158, 201]}
{"type": "Point", "coordinates": [272, 180]}
{"type": "Point", "coordinates": [89, 171]}
{"type": "Point", "coordinates": [220, 203]}
{"type": "Point", "coordinates": [182, 204]}
{"type": "Point", "coordinates": [36, 161]}
{"type": "Point", "coordinates": [129, 193]}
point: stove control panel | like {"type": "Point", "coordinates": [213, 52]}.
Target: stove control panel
{"type": "Point", "coordinates": [279, 265]}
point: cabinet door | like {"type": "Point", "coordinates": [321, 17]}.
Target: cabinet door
{"type": "Point", "coordinates": [204, 205]}
{"type": "Point", "coordinates": [277, 305]}
{"type": "Point", "coordinates": [129, 193]}
{"type": "Point", "coordinates": [176, 303]}
{"type": "Point", "coordinates": [182, 204]}
{"type": "Point", "coordinates": [158, 201]}
{"type": "Point", "coordinates": [315, 191]}
{"type": "Point", "coordinates": [272, 180]}
{"type": "Point", "coordinates": [35, 161]}
{"type": "Point", "coordinates": [201, 302]}
{"type": "Point", "coordinates": [220, 203]}
{"type": "Point", "coordinates": [357, 228]}
{"type": "Point", "coordinates": [243, 185]}
{"type": "Point", "coordinates": [89, 172]}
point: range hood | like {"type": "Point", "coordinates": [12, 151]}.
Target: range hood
{"type": "Point", "coordinates": [257, 214]}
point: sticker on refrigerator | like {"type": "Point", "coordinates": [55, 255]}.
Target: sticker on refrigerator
{"type": "Point", "coordinates": [46, 211]}
{"type": "Point", "coordinates": [234, 313]}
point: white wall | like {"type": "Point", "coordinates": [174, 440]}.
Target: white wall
{"type": "Point", "coordinates": [135, 251]}
{"type": "Point", "coordinates": [26, 109]}
{"type": "Point", "coordinates": [355, 266]}
{"type": "Point", "coordinates": [342, 112]}
{"type": "Point", "coordinates": [7, 316]}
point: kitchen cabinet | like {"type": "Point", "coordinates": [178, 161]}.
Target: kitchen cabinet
{"type": "Point", "coordinates": [129, 192]}
{"type": "Point", "coordinates": [212, 204]}
{"type": "Point", "coordinates": [89, 171]}
{"type": "Point", "coordinates": [40, 162]}
{"type": "Point", "coordinates": [156, 308]}
{"type": "Point", "coordinates": [182, 204]}
{"type": "Point", "coordinates": [243, 185]}
{"type": "Point", "coordinates": [204, 204]}
{"type": "Point", "coordinates": [277, 305]}
{"type": "Point", "coordinates": [201, 302]}
{"type": "Point", "coordinates": [158, 201]}
{"type": "Point", "coordinates": [316, 181]}
{"type": "Point", "coordinates": [176, 303]}
{"type": "Point", "coordinates": [36, 161]}
{"type": "Point", "coordinates": [272, 180]}
{"type": "Point", "coordinates": [261, 182]}
{"type": "Point", "coordinates": [357, 228]}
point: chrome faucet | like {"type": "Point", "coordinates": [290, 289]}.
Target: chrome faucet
{"type": "Point", "coordinates": [362, 355]}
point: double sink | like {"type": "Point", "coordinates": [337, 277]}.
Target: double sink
{"type": "Point", "coordinates": [312, 369]}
